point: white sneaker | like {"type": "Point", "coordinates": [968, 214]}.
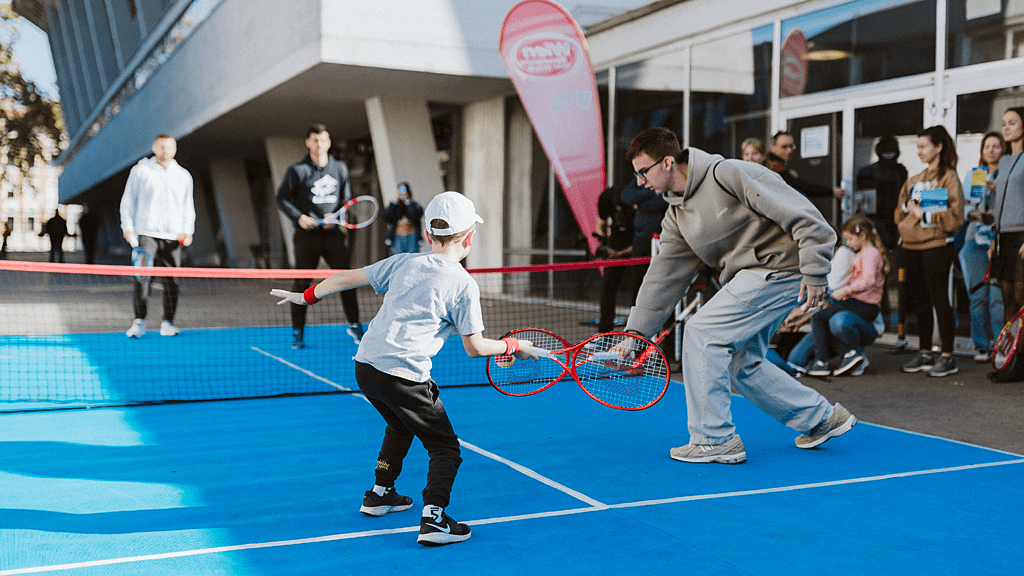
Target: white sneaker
{"type": "Point", "coordinates": [138, 329]}
{"type": "Point", "coordinates": [982, 357]}
{"type": "Point", "coordinates": [859, 370]}
{"type": "Point", "coordinates": [168, 329]}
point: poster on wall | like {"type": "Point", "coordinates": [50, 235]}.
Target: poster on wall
{"type": "Point", "coordinates": [814, 142]}
{"type": "Point", "coordinates": [546, 56]}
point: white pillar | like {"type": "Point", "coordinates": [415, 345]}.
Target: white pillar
{"type": "Point", "coordinates": [404, 147]}
{"type": "Point", "coordinates": [282, 153]}
{"type": "Point", "coordinates": [234, 206]}
{"type": "Point", "coordinates": [484, 178]}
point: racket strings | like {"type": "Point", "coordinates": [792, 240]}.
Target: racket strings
{"type": "Point", "coordinates": [633, 380]}
{"type": "Point", "coordinates": [522, 377]}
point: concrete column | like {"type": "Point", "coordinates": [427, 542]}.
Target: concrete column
{"type": "Point", "coordinates": [204, 241]}
{"type": "Point", "coordinates": [483, 152]}
{"type": "Point", "coordinates": [281, 153]}
{"type": "Point", "coordinates": [404, 147]}
{"type": "Point", "coordinates": [234, 207]}
{"type": "Point", "coordinates": [522, 187]}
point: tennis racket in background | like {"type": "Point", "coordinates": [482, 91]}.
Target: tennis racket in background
{"type": "Point", "coordinates": [620, 370]}
{"type": "Point", "coordinates": [357, 213]}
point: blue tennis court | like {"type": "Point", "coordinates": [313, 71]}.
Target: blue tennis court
{"type": "Point", "coordinates": [551, 484]}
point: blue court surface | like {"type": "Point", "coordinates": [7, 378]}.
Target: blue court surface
{"type": "Point", "coordinates": [551, 484]}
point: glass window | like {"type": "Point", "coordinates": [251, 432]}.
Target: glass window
{"type": "Point", "coordinates": [648, 93]}
{"type": "Point", "coordinates": [857, 43]}
{"type": "Point", "coordinates": [729, 99]}
{"type": "Point", "coordinates": [983, 31]}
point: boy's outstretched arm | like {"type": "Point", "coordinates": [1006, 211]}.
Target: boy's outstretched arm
{"type": "Point", "coordinates": [337, 282]}
{"type": "Point", "coordinates": [477, 346]}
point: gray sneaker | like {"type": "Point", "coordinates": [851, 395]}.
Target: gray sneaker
{"type": "Point", "coordinates": [944, 367]}
{"type": "Point", "coordinates": [729, 453]}
{"type": "Point", "coordinates": [922, 361]}
{"type": "Point", "coordinates": [837, 424]}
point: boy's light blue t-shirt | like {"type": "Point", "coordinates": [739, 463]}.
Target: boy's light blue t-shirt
{"type": "Point", "coordinates": [426, 299]}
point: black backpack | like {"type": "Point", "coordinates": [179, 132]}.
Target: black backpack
{"type": "Point", "coordinates": [1007, 359]}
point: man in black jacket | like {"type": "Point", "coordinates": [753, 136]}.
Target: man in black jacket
{"type": "Point", "coordinates": [779, 153]}
{"type": "Point", "coordinates": [312, 188]}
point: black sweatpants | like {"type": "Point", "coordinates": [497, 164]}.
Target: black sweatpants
{"type": "Point", "coordinates": [310, 246]}
{"type": "Point", "coordinates": [169, 253]}
{"type": "Point", "coordinates": [928, 279]}
{"type": "Point", "coordinates": [412, 409]}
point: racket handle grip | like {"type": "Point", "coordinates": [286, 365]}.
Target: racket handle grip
{"type": "Point", "coordinates": [542, 352]}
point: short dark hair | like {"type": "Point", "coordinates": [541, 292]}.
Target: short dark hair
{"type": "Point", "coordinates": [316, 128]}
{"type": "Point", "coordinates": [408, 189]}
{"type": "Point", "coordinates": [656, 142]}
{"type": "Point", "coordinates": [780, 134]}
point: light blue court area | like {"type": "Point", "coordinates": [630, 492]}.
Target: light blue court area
{"type": "Point", "coordinates": [200, 364]}
{"type": "Point", "coordinates": [551, 484]}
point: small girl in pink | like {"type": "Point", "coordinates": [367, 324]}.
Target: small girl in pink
{"type": "Point", "coordinates": [861, 295]}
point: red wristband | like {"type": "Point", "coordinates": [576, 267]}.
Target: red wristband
{"type": "Point", "coordinates": [511, 345]}
{"type": "Point", "coordinates": [309, 296]}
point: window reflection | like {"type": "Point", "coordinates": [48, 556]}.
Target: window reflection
{"type": "Point", "coordinates": [984, 31]}
{"type": "Point", "coordinates": [731, 82]}
{"type": "Point", "coordinates": [856, 43]}
{"type": "Point", "coordinates": [648, 93]}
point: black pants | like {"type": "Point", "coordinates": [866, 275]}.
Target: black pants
{"type": "Point", "coordinates": [310, 246]}
{"type": "Point", "coordinates": [928, 280]}
{"type": "Point", "coordinates": [613, 278]}
{"type": "Point", "coordinates": [169, 253]}
{"type": "Point", "coordinates": [412, 409]}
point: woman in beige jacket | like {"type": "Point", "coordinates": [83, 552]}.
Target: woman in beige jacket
{"type": "Point", "coordinates": [930, 210]}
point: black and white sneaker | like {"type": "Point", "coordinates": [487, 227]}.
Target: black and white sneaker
{"type": "Point", "coordinates": [438, 529]}
{"type": "Point", "coordinates": [391, 501]}
{"type": "Point", "coordinates": [355, 330]}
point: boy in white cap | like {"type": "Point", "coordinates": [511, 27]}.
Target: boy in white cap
{"type": "Point", "coordinates": [429, 296]}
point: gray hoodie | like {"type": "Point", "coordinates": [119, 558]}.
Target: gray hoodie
{"type": "Point", "coordinates": [733, 215]}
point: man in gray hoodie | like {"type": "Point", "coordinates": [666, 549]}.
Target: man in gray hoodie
{"type": "Point", "coordinates": [772, 247]}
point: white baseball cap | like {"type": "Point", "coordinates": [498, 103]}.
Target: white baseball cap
{"type": "Point", "coordinates": [455, 209]}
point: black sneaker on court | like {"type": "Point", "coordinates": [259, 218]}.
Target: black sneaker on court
{"type": "Point", "coordinates": [839, 423]}
{"type": "Point", "coordinates": [391, 501]}
{"type": "Point", "coordinates": [944, 367]}
{"type": "Point", "coordinates": [297, 343]}
{"type": "Point", "coordinates": [922, 361]}
{"type": "Point", "coordinates": [438, 529]}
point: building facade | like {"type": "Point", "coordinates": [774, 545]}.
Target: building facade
{"type": "Point", "coordinates": [423, 97]}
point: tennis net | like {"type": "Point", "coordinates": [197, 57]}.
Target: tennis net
{"type": "Point", "coordinates": [63, 341]}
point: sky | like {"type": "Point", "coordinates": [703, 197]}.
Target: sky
{"type": "Point", "coordinates": [33, 50]}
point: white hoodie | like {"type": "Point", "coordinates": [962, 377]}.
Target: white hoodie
{"type": "Point", "coordinates": [157, 201]}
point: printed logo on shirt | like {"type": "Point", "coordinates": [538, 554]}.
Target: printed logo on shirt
{"type": "Point", "coordinates": [325, 190]}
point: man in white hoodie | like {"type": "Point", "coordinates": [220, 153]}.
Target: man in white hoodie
{"type": "Point", "coordinates": [772, 247]}
{"type": "Point", "coordinates": [158, 214]}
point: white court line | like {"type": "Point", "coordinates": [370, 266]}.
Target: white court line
{"type": "Point", "coordinates": [530, 473]}
{"type": "Point", "coordinates": [518, 467]}
{"type": "Point", "coordinates": [500, 520]}
{"type": "Point", "coordinates": [303, 370]}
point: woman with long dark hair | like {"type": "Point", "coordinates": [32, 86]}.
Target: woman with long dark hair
{"type": "Point", "coordinates": [1008, 215]}
{"type": "Point", "coordinates": [926, 230]}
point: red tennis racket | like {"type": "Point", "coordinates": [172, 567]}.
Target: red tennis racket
{"type": "Point", "coordinates": [619, 370]}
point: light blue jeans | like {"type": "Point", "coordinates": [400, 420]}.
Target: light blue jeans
{"type": "Point", "coordinates": [406, 244]}
{"type": "Point", "coordinates": [987, 302]}
{"type": "Point", "coordinates": [847, 331]}
{"type": "Point", "coordinates": [724, 347]}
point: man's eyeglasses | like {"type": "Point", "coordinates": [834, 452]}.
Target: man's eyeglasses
{"type": "Point", "coordinates": [643, 173]}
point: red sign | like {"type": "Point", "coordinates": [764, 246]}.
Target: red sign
{"type": "Point", "coordinates": [546, 57]}
{"type": "Point", "coordinates": [794, 64]}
